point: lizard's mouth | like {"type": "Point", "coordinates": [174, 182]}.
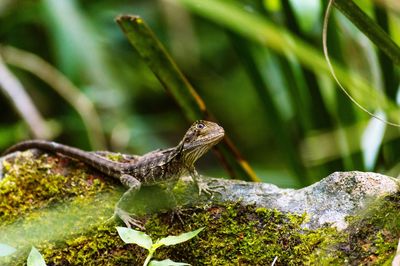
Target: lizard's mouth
{"type": "Point", "coordinates": [212, 139]}
{"type": "Point", "coordinates": [221, 134]}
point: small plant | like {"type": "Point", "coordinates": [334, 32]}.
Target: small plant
{"type": "Point", "coordinates": [34, 258]}
{"type": "Point", "coordinates": [396, 259]}
{"type": "Point", "coordinates": [131, 236]}
{"type": "Point", "coordinates": [6, 250]}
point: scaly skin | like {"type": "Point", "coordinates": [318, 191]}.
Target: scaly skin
{"type": "Point", "coordinates": [151, 168]}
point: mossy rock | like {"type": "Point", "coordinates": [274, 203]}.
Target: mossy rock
{"type": "Point", "coordinates": [63, 208]}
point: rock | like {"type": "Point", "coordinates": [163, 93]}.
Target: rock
{"type": "Point", "coordinates": [330, 200]}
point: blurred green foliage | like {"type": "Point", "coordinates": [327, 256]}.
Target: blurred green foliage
{"type": "Point", "coordinates": [258, 65]}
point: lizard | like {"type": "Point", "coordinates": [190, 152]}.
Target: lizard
{"type": "Point", "coordinates": [155, 167]}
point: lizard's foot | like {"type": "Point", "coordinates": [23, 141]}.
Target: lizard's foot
{"type": "Point", "coordinates": [177, 212]}
{"type": "Point", "coordinates": [209, 190]}
{"type": "Point", "coordinates": [128, 219]}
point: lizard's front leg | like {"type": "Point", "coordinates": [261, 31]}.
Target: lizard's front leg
{"type": "Point", "coordinates": [134, 186]}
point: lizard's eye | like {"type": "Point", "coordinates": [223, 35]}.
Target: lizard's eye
{"type": "Point", "coordinates": [200, 126]}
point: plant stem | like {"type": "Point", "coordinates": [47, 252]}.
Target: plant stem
{"type": "Point", "coordinates": [148, 258]}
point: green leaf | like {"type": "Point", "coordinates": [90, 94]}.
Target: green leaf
{"type": "Point", "coordinates": [370, 28]}
{"type": "Point", "coordinates": [35, 258]}
{"type": "Point", "coordinates": [166, 262]}
{"type": "Point", "coordinates": [371, 141]}
{"type": "Point", "coordinates": [6, 250]}
{"type": "Point", "coordinates": [173, 240]}
{"type": "Point", "coordinates": [131, 236]}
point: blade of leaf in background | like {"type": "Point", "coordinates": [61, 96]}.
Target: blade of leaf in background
{"type": "Point", "coordinates": [392, 5]}
{"type": "Point", "coordinates": [301, 82]}
{"type": "Point", "coordinates": [63, 86]}
{"type": "Point", "coordinates": [15, 92]}
{"type": "Point", "coordinates": [302, 18]}
{"type": "Point", "coordinates": [160, 62]}
{"type": "Point", "coordinates": [272, 111]}
{"type": "Point", "coordinates": [390, 82]}
{"type": "Point", "coordinates": [334, 110]}
{"type": "Point", "coordinates": [80, 48]}
{"type": "Point", "coordinates": [390, 79]}
{"type": "Point", "coordinates": [309, 94]}
{"type": "Point", "coordinates": [388, 51]}
{"type": "Point", "coordinates": [313, 155]}
{"type": "Point", "coordinates": [375, 33]}
{"type": "Point", "coordinates": [344, 114]}
{"type": "Point", "coordinates": [155, 56]}
{"type": "Point", "coordinates": [76, 46]}
{"type": "Point", "coordinates": [260, 30]}
{"type": "Point", "coordinates": [371, 142]}
{"type": "Point", "coordinates": [83, 56]}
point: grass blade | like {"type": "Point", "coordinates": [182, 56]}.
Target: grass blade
{"type": "Point", "coordinates": [271, 109]}
{"type": "Point", "coordinates": [365, 24]}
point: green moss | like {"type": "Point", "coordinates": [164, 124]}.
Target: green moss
{"type": "Point", "coordinates": [372, 237]}
{"type": "Point", "coordinates": [238, 235]}
{"type": "Point", "coordinates": [101, 246]}
{"type": "Point", "coordinates": [234, 235]}
{"type": "Point", "coordinates": [33, 182]}
{"type": "Point", "coordinates": [113, 156]}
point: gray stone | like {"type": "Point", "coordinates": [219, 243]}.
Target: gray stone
{"type": "Point", "coordinates": [330, 200]}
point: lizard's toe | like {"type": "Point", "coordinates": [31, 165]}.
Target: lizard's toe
{"type": "Point", "coordinates": [209, 190]}
{"type": "Point", "coordinates": [128, 219]}
{"type": "Point", "coordinates": [177, 213]}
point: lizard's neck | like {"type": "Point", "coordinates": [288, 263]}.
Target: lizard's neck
{"type": "Point", "coordinates": [189, 156]}
{"type": "Point", "coordinates": [199, 138]}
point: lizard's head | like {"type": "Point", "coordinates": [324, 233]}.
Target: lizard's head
{"type": "Point", "coordinates": [199, 138]}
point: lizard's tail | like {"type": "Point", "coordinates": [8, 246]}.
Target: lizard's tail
{"type": "Point", "coordinates": [98, 162]}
